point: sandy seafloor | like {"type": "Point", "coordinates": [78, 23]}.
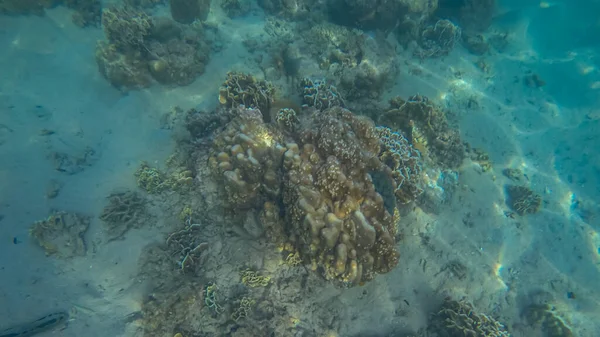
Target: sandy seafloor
{"type": "Point", "coordinates": [48, 79]}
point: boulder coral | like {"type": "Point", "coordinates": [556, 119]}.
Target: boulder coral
{"type": "Point", "coordinates": [318, 187]}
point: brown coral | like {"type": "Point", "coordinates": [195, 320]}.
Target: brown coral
{"type": "Point", "coordinates": [427, 129]}
{"type": "Point", "coordinates": [322, 183]}
{"type": "Point", "coordinates": [245, 89]}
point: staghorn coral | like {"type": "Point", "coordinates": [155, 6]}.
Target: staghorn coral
{"type": "Point", "coordinates": [125, 210]}
{"type": "Point", "coordinates": [523, 200]}
{"type": "Point", "coordinates": [245, 89]}
{"type": "Point", "coordinates": [459, 318]}
{"type": "Point", "coordinates": [61, 234]}
{"type": "Point", "coordinates": [438, 39]}
{"type": "Point", "coordinates": [427, 129]}
{"type": "Point", "coordinates": [319, 94]}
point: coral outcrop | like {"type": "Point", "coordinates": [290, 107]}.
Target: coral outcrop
{"type": "Point", "coordinates": [438, 39]}
{"type": "Point", "coordinates": [86, 12]}
{"type": "Point", "coordinates": [245, 89]}
{"type": "Point", "coordinates": [523, 200]}
{"type": "Point", "coordinates": [61, 234]}
{"type": "Point", "coordinates": [361, 66]}
{"type": "Point", "coordinates": [188, 11]}
{"type": "Point", "coordinates": [384, 15]}
{"type": "Point", "coordinates": [140, 49]}
{"type": "Point", "coordinates": [459, 318]}
{"type": "Point", "coordinates": [318, 186]}
{"type": "Point", "coordinates": [427, 129]}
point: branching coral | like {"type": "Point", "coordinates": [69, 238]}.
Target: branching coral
{"type": "Point", "coordinates": [459, 318]}
{"type": "Point", "coordinates": [188, 247]}
{"type": "Point", "coordinates": [125, 210]}
{"type": "Point", "coordinates": [523, 200]}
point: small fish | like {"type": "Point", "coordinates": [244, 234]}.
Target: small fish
{"type": "Point", "coordinates": [45, 323]}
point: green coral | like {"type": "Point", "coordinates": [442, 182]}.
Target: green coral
{"type": "Point", "coordinates": [243, 309]}
{"type": "Point", "coordinates": [253, 279]}
{"type": "Point", "coordinates": [211, 298]}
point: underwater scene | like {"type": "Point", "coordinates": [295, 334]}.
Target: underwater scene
{"type": "Point", "coordinates": [300, 168]}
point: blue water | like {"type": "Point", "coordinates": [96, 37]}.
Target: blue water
{"type": "Point", "coordinates": [70, 139]}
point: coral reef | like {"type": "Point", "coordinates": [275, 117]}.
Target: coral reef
{"type": "Point", "coordinates": [320, 95]}
{"type": "Point", "coordinates": [187, 246]}
{"type": "Point", "coordinates": [438, 39]}
{"type": "Point", "coordinates": [125, 210]}
{"type": "Point", "coordinates": [247, 157]}
{"type": "Point", "coordinates": [546, 317]}
{"type": "Point", "coordinates": [140, 48]}
{"type": "Point", "coordinates": [291, 9]}
{"type": "Point", "coordinates": [188, 11]}
{"type": "Point", "coordinates": [245, 89]}
{"type": "Point", "coordinates": [384, 15]}
{"type": "Point", "coordinates": [154, 181]}
{"type": "Point", "coordinates": [523, 200]}
{"type": "Point", "coordinates": [86, 12]}
{"type": "Point", "coordinates": [359, 66]}
{"type": "Point", "coordinates": [404, 160]}
{"type": "Point", "coordinates": [335, 218]}
{"type": "Point", "coordinates": [472, 15]}
{"type": "Point", "coordinates": [427, 129]}
{"type": "Point", "coordinates": [61, 234]}
{"type": "Point", "coordinates": [235, 8]}
{"type": "Point", "coordinates": [459, 318]}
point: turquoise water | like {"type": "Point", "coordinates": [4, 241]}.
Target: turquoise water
{"type": "Point", "coordinates": [397, 168]}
